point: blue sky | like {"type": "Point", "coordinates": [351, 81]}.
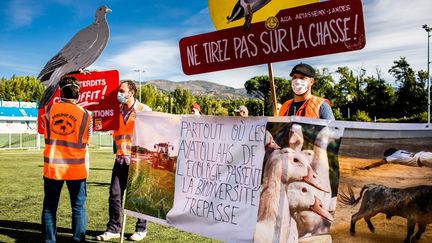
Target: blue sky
{"type": "Point", "coordinates": [145, 35]}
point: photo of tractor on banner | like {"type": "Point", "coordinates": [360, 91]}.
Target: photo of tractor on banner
{"type": "Point", "coordinates": [281, 179]}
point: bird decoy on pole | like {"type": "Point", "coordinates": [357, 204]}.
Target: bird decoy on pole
{"type": "Point", "coordinates": [79, 53]}
{"type": "Point", "coordinates": [246, 8]}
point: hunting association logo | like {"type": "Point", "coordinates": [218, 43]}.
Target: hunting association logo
{"type": "Point", "coordinates": [63, 124]}
{"type": "Point", "coordinates": [271, 23]}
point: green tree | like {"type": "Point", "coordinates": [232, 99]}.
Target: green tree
{"type": "Point", "coordinates": [379, 97]}
{"type": "Point", "coordinates": [21, 88]}
{"type": "Point", "coordinates": [205, 104]}
{"type": "Point", "coordinates": [218, 109]}
{"type": "Point", "coordinates": [154, 98]}
{"type": "Point", "coordinates": [324, 86]}
{"type": "Point", "coordinates": [283, 89]}
{"type": "Point", "coordinates": [361, 116]}
{"type": "Point", "coordinates": [411, 94]}
{"type": "Point", "coordinates": [148, 94]}
{"type": "Point", "coordinates": [182, 101]}
{"type": "Point", "coordinates": [255, 107]}
{"type": "Point", "coordinates": [259, 87]}
{"type": "Point", "coordinates": [349, 91]}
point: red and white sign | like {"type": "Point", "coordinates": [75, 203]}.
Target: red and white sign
{"type": "Point", "coordinates": [98, 94]}
{"type": "Point", "coordinates": [310, 30]}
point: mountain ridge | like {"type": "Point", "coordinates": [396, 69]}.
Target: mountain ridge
{"type": "Point", "coordinates": [200, 88]}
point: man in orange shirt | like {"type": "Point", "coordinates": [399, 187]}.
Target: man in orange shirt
{"type": "Point", "coordinates": [129, 106]}
{"type": "Point", "coordinates": [68, 128]}
{"type": "Point", "coordinates": [304, 103]}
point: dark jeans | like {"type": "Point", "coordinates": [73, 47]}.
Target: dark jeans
{"type": "Point", "coordinates": [117, 188]}
{"type": "Point", "coordinates": [77, 193]}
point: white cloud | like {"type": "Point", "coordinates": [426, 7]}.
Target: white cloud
{"type": "Point", "coordinates": [393, 30]}
{"type": "Point", "coordinates": [14, 63]}
{"type": "Point", "coordinates": [21, 13]}
{"type": "Point", "coordinates": [159, 59]}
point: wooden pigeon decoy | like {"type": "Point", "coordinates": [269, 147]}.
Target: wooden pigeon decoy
{"type": "Point", "coordinates": [79, 53]}
{"type": "Point", "coordinates": [246, 8]}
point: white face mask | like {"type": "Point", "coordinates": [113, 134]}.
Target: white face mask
{"type": "Point", "coordinates": [121, 98]}
{"type": "Point", "coordinates": [299, 86]}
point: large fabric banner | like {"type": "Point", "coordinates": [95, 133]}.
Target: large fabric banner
{"type": "Point", "coordinates": [282, 179]}
{"type": "Point", "coordinates": [218, 176]}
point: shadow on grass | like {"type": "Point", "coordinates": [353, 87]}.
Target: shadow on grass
{"type": "Point", "coordinates": [94, 183]}
{"type": "Point", "coordinates": [41, 166]}
{"type": "Point", "coordinates": [24, 232]}
{"type": "Point", "coordinates": [92, 168]}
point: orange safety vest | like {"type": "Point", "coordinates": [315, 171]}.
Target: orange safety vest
{"type": "Point", "coordinates": [66, 138]}
{"type": "Point", "coordinates": [310, 108]}
{"type": "Point", "coordinates": [123, 135]}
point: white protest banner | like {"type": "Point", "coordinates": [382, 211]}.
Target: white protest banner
{"type": "Point", "coordinates": [218, 176]}
{"type": "Point", "coordinates": [150, 186]}
{"type": "Point", "coordinates": [228, 189]}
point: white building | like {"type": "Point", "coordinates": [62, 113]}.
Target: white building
{"type": "Point", "coordinates": [18, 117]}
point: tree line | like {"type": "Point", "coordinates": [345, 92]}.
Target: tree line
{"type": "Point", "coordinates": [20, 88]}
{"type": "Point", "coordinates": [354, 96]}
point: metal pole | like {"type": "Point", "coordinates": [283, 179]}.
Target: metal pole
{"type": "Point", "coordinates": [428, 30]}
{"type": "Point", "coordinates": [38, 143]}
{"type": "Point", "coordinates": [139, 81]}
{"type": "Point", "coordinates": [100, 140]}
{"type": "Point", "coordinates": [123, 227]}
{"type": "Point", "coordinates": [428, 77]}
{"type": "Point", "coordinates": [273, 89]}
{"type": "Point", "coordinates": [138, 71]}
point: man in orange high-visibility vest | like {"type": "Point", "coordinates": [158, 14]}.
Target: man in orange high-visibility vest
{"type": "Point", "coordinates": [67, 134]}
{"type": "Point", "coordinates": [129, 106]}
{"type": "Point", "coordinates": [304, 103]}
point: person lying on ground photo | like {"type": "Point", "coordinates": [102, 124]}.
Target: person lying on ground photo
{"type": "Point", "coordinates": [403, 157]}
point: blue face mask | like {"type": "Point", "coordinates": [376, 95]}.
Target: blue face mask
{"type": "Point", "coordinates": [121, 98]}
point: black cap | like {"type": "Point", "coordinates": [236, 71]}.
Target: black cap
{"type": "Point", "coordinates": [304, 69]}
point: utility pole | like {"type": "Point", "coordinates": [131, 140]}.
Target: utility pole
{"type": "Point", "coordinates": [428, 30]}
{"type": "Point", "coordinates": [139, 71]}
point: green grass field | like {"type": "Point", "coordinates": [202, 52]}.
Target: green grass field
{"type": "Point", "coordinates": [22, 196]}
{"type": "Point", "coordinates": [150, 191]}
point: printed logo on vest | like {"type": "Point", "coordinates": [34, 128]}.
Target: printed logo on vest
{"type": "Point", "coordinates": [63, 124]}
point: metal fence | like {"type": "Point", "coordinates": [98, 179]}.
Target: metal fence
{"type": "Point", "coordinates": [101, 140]}
{"type": "Point", "coordinates": [34, 140]}
{"type": "Point", "coordinates": [19, 141]}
